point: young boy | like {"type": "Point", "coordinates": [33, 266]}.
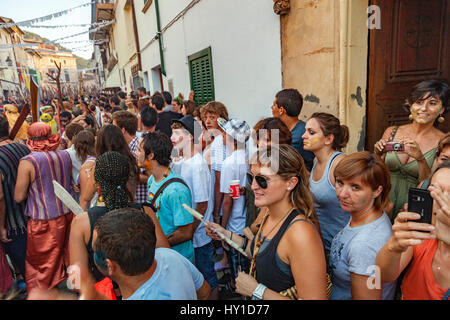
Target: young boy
{"type": "Point", "coordinates": [234, 167]}
{"type": "Point", "coordinates": [194, 170]}
{"type": "Point", "coordinates": [176, 222]}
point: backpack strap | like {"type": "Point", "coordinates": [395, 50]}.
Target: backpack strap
{"type": "Point", "coordinates": [161, 189]}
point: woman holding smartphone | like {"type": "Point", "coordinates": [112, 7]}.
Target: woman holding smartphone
{"type": "Point", "coordinates": [417, 141]}
{"type": "Point", "coordinates": [422, 248]}
{"type": "Point", "coordinates": [288, 257]}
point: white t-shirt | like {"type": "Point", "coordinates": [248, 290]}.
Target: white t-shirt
{"type": "Point", "coordinates": [195, 173]}
{"type": "Point", "coordinates": [235, 167]}
{"type": "Point", "coordinates": [76, 163]}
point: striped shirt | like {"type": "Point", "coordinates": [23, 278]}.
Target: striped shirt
{"type": "Point", "coordinates": [141, 189]}
{"type": "Point", "coordinates": [42, 203]}
{"type": "Point", "coordinates": [10, 156]}
{"type": "Point", "coordinates": [218, 153]}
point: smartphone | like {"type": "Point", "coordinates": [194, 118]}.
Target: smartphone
{"type": "Point", "coordinates": [394, 146]}
{"type": "Point", "coordinates": [421, 202]}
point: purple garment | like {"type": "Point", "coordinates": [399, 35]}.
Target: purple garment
{"type": "Point", "coordinates": [42, 203]}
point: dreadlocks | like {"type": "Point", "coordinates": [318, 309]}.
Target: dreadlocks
{"type": "Point", "coordinates": [111, 172]}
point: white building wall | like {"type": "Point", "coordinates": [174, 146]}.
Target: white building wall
{"type": "Point", "coordinates": [244, 37]}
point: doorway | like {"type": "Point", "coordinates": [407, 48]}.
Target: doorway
{"type": "Point", "coordinates": [412, 45]}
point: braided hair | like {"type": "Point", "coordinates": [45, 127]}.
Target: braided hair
{"type": "Point", "coordinates": [111, 172]}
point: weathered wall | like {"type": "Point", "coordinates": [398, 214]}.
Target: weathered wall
{"type": "Point", "coordinates": [324, 56]}
{"type": "Point", "coordinates": [310, 53]}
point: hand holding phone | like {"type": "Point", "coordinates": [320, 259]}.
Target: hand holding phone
{"type": "Point", "coordinates": [408, 232]}
{"type": "Point", "coordinates": [421, 202]}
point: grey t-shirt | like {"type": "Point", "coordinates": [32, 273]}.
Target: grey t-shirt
{"type": "Point", "coordinates": [355, 250]}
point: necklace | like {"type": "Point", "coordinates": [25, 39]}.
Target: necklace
{"type": "Point", "coordinates": [258, 243]}
{"type": "Point", "coordinates": [279, 221]}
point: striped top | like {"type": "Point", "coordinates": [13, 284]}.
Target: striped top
{"type": "Point", "coordinates": [42, 203]}
{"type": "Point", "coordinates": [10, 156]}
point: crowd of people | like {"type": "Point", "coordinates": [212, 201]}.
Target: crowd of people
{"type": "Point", "coordinates": [306, 220]}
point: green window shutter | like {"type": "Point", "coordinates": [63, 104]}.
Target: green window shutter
{"type": "Point", "coordinates": [202, 77]}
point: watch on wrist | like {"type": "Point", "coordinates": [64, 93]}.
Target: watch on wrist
{"type": "Point", "coordinates": [259, 291]}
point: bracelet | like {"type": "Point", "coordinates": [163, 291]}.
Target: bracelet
{"type": "Point", "coordinates": [231, 235]}
{"type": "Point", "coordinates": [259, 291]}
{"type": "Point", "coordinates": [421, 159]}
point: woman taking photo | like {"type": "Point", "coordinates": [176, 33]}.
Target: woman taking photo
{"type": "Point", "coordinates": [287, 251]}
{"type": "Point", "coordinates": [362, 187]}
{"type": "Point", "coordinates": [325, 137]}
{"type": "Point", "coordinates": [427, 105]}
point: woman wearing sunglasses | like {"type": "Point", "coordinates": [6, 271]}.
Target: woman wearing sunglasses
{"type": "Point", "coordinates": [288, 257]}
{"type": "Point", "coordinates": [326, 137]}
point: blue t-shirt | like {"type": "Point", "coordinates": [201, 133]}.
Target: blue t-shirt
{"type": "Point", "coordinates": [171, 213]}
{"type": "Point", "coordinates": [175, 278]}
{"type": "Point", "coordinates": [355, 250]}
{"type": "Point", "coordinates": [297, 142]}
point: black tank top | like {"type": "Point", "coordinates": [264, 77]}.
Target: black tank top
{"type": "Point", "coordinates": [94, 214]}
{"type": "Point", "coordinates": [267, 270]}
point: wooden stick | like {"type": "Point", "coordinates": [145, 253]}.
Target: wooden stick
{"type": "Point", "coordinates": [220, 234]}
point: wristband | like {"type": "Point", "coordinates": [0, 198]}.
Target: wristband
{"type": "Point", "coordinates": [259, 291]}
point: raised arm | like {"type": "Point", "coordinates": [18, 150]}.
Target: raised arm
{"type": "Point", "coordinates": [396, 254]}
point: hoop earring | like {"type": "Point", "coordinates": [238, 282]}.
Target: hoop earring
{"type": "Point", "coordinates": [410, 117]}
{"type": "Point", "coordinates": [100, 198]}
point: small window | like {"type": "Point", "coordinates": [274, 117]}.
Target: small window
{"type": "Point", "coordinates": [202, 77]}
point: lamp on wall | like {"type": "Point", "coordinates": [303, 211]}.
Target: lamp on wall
{"type": "Point", "coordinates": [9, 61]}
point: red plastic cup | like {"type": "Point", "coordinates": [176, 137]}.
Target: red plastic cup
{"type": "Point", "coordinates": [234, 186]}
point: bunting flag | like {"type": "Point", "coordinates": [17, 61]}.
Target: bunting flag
{"type": "Point", "coordinates": [52, 42]}
{"type": "Point", "coordinates": [29, 23]}
{"type": "Point", "coordinates": [95, 24]}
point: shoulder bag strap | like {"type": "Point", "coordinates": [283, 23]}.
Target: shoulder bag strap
{"type": "Point", "coordinates": [161, 189]}
{"type": "Point", "coordinates": [393, 133]}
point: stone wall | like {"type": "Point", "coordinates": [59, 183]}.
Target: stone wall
{"type": "Point", "coordinates": [324, 55]}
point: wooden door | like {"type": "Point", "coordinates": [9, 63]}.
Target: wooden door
{"type": "Point", "coordinates": [412, 45]}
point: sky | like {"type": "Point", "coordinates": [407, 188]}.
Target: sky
{"type": "Point", "coordinates": [21, 10]}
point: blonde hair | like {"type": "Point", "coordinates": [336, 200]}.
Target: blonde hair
{"type": "Point", "coordinates": [290, 164]}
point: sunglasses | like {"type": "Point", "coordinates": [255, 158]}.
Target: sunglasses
{"type": "Point", "coordinates": [263, 182]}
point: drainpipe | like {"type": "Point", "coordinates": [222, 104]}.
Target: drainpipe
{"type": "Point", "coordinates": [159, 35]}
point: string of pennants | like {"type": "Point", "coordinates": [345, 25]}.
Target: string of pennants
{"type": "Point", "coordinates": [32, 45]}
{"type": "Point", "coordinates": [78, 70]}
{"type": "Point", "coordinates": [32, 22]}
